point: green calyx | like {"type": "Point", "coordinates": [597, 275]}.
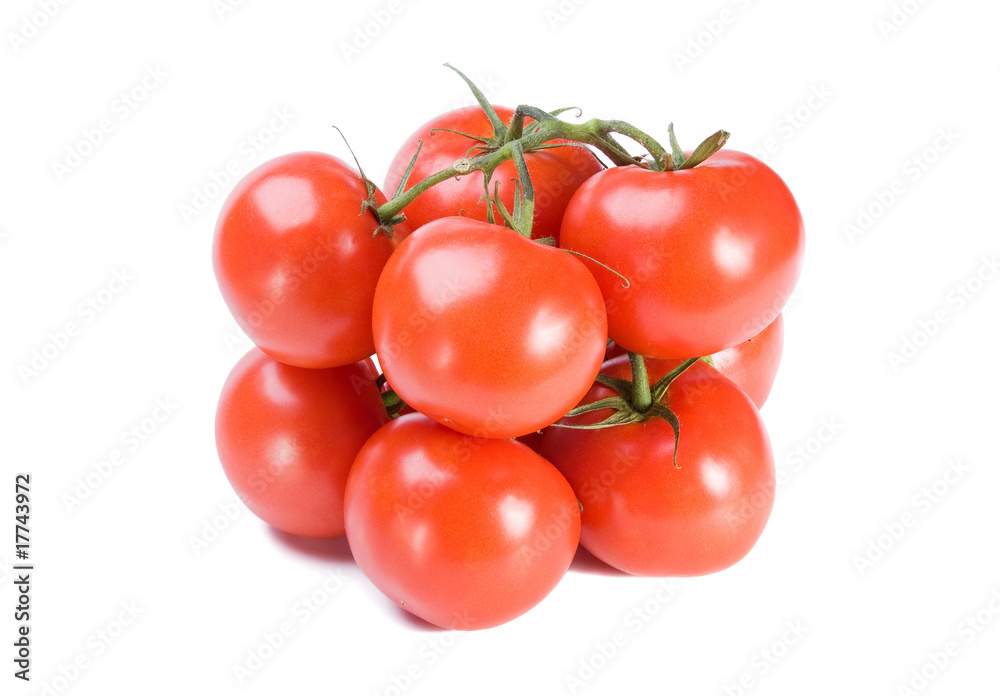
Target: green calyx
{"type": "Point", "coordinates": [677, 160]}
{"type": "Point", "coordinates": [637, 401]}
{"type": "Point", "coordinates": [370, 204]}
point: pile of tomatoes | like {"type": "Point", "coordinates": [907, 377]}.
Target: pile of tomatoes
{"type": "Point", "coordinates": [592, 380]}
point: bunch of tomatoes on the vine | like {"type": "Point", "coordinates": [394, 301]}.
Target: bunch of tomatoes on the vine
{"type": "Point", "coordinates": [572, 345]}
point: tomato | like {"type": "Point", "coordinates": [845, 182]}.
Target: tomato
{"type": "Point", "coordinates": [297, 262]}
{"type": "Point", "coordinates": [486, 331]}
{"type": "Point", "coordinates": [613, 350]}
{"type": "Point", "coordinates": [465, 533]}
{"type": "Point", "coordinates": [646, 517]}
{"type": "Point", "coordinates": [287, 437]}
{"type": "Point", "coordinates": [752, 364]}
{"type": "Point", "coordinates": [711, 254]}
{"type": "Point", "coordinates": [532, 439]}
{"type": "Point", "coordinates": [555, 173]}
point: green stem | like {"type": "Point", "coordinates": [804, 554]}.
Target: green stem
{"type": "Point", "coordinates": [526, 196]}
{"type": "Point", "coordinates": [661, 158]}
{"type": "Point", "coordinates": [395, 205]}
{"type": "Point", "coordinates": [594, 132]}
{"type": "Point", "coordinates": [642, 398]}
{"type": "Point", "coordinates": [392, 402]}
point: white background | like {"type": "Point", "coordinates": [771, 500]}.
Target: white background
{"type": "Point", "coordinates": [862, 441]}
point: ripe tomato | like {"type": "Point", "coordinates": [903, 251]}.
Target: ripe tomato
{"type": "Point", "coordinates": [646, 517]}
{"type": "Point", "coordinates": [752, 364]}
{"type": "Point", "coordinates": [465, 533]}
{"type": "Point", "coordinates": [486, 331]}
{"type": "Point", "coordinates": [297, 261]}
{"type": "Point", "coordinates": [287, 436]}
{"type": "Point", "coordinates": [711, 253]}
{"type": "Point", "coordinates": [555, 173]}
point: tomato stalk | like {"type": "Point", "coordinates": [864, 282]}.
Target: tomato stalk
{"type": "Point", "coordinates": [595, 132]}
{"type": "Point", "coordinates": [522, 217]}
{"type": "Point", "coordinates": [393, 403]}
{"type": "Point", "coordinates": [641, 397]}
{"type": "Point", "coordinates": [511, 141]}
{"type": "Point", "coordinates": [390, 399]}
{"type": "Point", "coordinates": [588, 133]}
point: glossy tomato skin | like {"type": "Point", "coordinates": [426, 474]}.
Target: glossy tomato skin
{"type": "Point", "coordinates": [287, 437]}
{"type": "Point", "coordinates": [297, 262]}
{"type": "Point", "coordinates": [646, 517]}
{"type": "Point", "coordinates": [711, 253]}
{"type": "Point", "coordinates": [485, 331]}
{"type": "Point", "coordinates": [465, 533]}
{"type": "Point", "coordinates": [752, 364]}
{"type": "Point", "coordinates": [555, 173]}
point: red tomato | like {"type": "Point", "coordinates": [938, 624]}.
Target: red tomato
{"type": "Point", "coordinates": [297, 261]}
{"type": "Point", "coordinates": [751, 364]}
{"type": "Point", "coordinates": [555, 173]}
{"type": "Point", "coordinates": [465, 533]}
{"type": "Point", "coordinates": [711, 253]}
{"type": "Point", "coordinates": [287, 437]}
{"type": "Point", "coordinates": [646, 517]}
{"type": "Point", "coordinates": [486, 331]}
{"type": "Point", "coordinates": [613, 351]}
{"type": "Point", "coordinates": [532, 440]}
